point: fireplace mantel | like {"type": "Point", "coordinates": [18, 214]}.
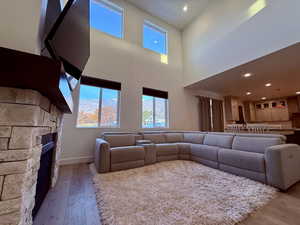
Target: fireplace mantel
{"type": "Point", "coordinates": [39, 73]}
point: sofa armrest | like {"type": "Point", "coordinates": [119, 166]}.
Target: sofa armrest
{"type": "Point", "coordinates": [150, 151]}
{"type": "Point", "coordinates": [102, 156]}
{"type": "Point", "coordinates": [283, 165]}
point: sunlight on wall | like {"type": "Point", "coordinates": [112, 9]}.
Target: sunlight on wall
{"type": "Point", "coordinates": [164, 59]}
{"type": "Point", "coordinates": [256, 7]}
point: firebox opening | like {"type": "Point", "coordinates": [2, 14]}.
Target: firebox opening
{"type": "Point", "coordinates": [45, 171]}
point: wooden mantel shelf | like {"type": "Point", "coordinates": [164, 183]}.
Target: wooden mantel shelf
{"type": "Point", "coordinates": [29, 71]}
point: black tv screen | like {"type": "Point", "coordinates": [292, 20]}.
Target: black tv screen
{"type": "Point", "coordinates": [69, 38]}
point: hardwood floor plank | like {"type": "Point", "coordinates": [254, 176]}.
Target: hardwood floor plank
{"type": "Point", "coordinates": [52, 211]}
{"type": "Point", "coordinates": [75, 212]}
{"type": "Point", "coordinates": [91, 208]}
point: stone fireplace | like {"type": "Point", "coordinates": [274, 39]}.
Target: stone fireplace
{"type": "Point", "coordinates": [25, 116]}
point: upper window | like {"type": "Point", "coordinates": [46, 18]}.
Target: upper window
{"type": "Point", "coordinates": [155, 38]}
{"type": "Point", "coordinates": [98, 103]}
{"type": "Point", "coordinates": [107, 17]}
{"type": "Point", "coordinates": [155, 109]}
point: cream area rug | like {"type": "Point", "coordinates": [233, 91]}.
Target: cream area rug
{"type": "Point", "coordinates": [177, 193]}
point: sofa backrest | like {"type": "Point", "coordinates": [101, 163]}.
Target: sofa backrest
{"type": "Point", "coordinates": [120, 140]}
{"type": "Point", "coordinates": [220, 140]}
{"type": "Point", "coordinates": [194, 138]}
{"type": "Point", "coordinates": [156, 138]}
{"type": "Point", "coordinates": [173, 137]}
{"type": "Point", "coordinates": [255, 143]}
{"type": "Point", "coordinates": [279, 136]}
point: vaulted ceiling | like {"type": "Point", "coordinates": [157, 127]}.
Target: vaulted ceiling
{"type": "Point", "coordinates": [171, 11]}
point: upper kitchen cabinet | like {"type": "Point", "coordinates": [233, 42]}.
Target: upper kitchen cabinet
{"type": "Point", "coordinates": [271, 111]}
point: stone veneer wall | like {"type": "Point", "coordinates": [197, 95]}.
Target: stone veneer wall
{"type": "Point", "coordinates": [25, 115]}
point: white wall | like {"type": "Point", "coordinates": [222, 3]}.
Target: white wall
{"type": "Point", "coordinates": [19, 24]}
{"type": "Point", "coordinates": [227, 35]}
{"type": "Point", "coordinates": [127, 62]}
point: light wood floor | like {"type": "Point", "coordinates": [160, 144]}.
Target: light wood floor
{"type": "Point", "coordinates": [72, 202]}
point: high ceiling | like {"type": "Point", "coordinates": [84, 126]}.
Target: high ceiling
{"type": "Point", "coordinates": [281, 69]}
{"type": "Point", "coordinates": [171, 11]}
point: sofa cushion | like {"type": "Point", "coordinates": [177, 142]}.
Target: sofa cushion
{"type": "Point", "coordinates": [261, 177]}
{"type": "Point", "coordinates": [120, 140]}
{"type": "Point", "coordinates": [279, 136]}
{"type": "Point", "coordinates": [184, 148]}
{"type": "Point", "coordinates": [254, 144]}
{"type": "Point", "coordinates": [124, 154]}
{"type": "Point", "coordinates": [155, 138]}
{"type": "Point", "coordinates": [174, 137]}
{"type": "Point", "coordinates": [205, 151]}
{"type": "Point", "coordinates": [195, 138]}
{"type": "Point", "coordinates": [166, 149]}
{"type": "Point", "coordinates": [220, 140]}
{"type": "Point", "coordinates": [127, 165]}
{"type": "Point", "coordinates": [206, 162]}
{"type": "Point", "coordinates": [167, 158]}
{"type": "Point", "coordinates": [243, 160]}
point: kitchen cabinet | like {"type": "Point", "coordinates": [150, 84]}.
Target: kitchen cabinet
{"type": "Point", "coordinates": [269, 111]}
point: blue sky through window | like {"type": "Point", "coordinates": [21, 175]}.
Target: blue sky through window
{"type": "Point", "coordinates": [89, 103]}
{"type": "Point", "coordinates": [154, 39]}
{"type": "Point", "coordinates": [89, 92]}
{"type": "Point", "coordinates": [106, 19]}
{"type": "Point", "coordinates": [93, 93]}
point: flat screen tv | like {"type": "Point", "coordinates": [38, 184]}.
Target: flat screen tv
{"type": "Point", "coordinates": [69, 38]}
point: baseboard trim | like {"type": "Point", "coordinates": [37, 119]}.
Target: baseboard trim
{"type": "Point", "coordinates": [76, 160]}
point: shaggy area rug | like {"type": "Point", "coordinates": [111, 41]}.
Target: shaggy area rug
{"type": "Point", "coordinates": [177, 193]}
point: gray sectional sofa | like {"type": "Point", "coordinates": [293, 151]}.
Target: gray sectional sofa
{"type": "Point", "coordinates": [261, 157]}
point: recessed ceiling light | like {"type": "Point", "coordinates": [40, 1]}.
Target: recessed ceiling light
{"type": "Point", "coordinates": [248, 93]}
{"type": "Point", "coordinates": [263, 98]}
{"type": "Point", "coordinates": [268, 85]}
{"type": "Point", "coordinates": [247, 75]}
{"type": "Point", "coordinates": [155, 42]}
{"type": "Point", "coordinates": [185, 8]}
{"type": "Point", "coordinates": [298, 93]}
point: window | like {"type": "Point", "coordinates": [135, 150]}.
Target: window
{"type": "Point", "coordinates": [98, 103]}
{"type": "Point", "coordinates": [155, 108]}
{"type": "Point", "coordinates": [155, 38]}
{"type": "Point", "coordinates": [107, 17]}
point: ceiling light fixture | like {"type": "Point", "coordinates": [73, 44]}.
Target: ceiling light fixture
{"type": "Point", "coordinates": [264, 98]}
{"type": "Point", "coordinates": [268, 85]}
{"type": "Point", "coordinates": [246, 75]}
{"type": "Point", "coordinates": [185, 8]}
{"type": "Point", "coordinates": [248, 93]}
{"type": "Point", "coordinates": [298, 93]}
{"type": "Point", "coordinates": [155, 42]}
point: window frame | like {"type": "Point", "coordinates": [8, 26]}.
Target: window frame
{"type": "Point", "coordinates": [167, 114]}
{"type": "Point", "coordinates": [100, 108]}
{"type": "Point", "coordinates": [159, 29]}
{"type": "Point", "coordinates": [114, 7]}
